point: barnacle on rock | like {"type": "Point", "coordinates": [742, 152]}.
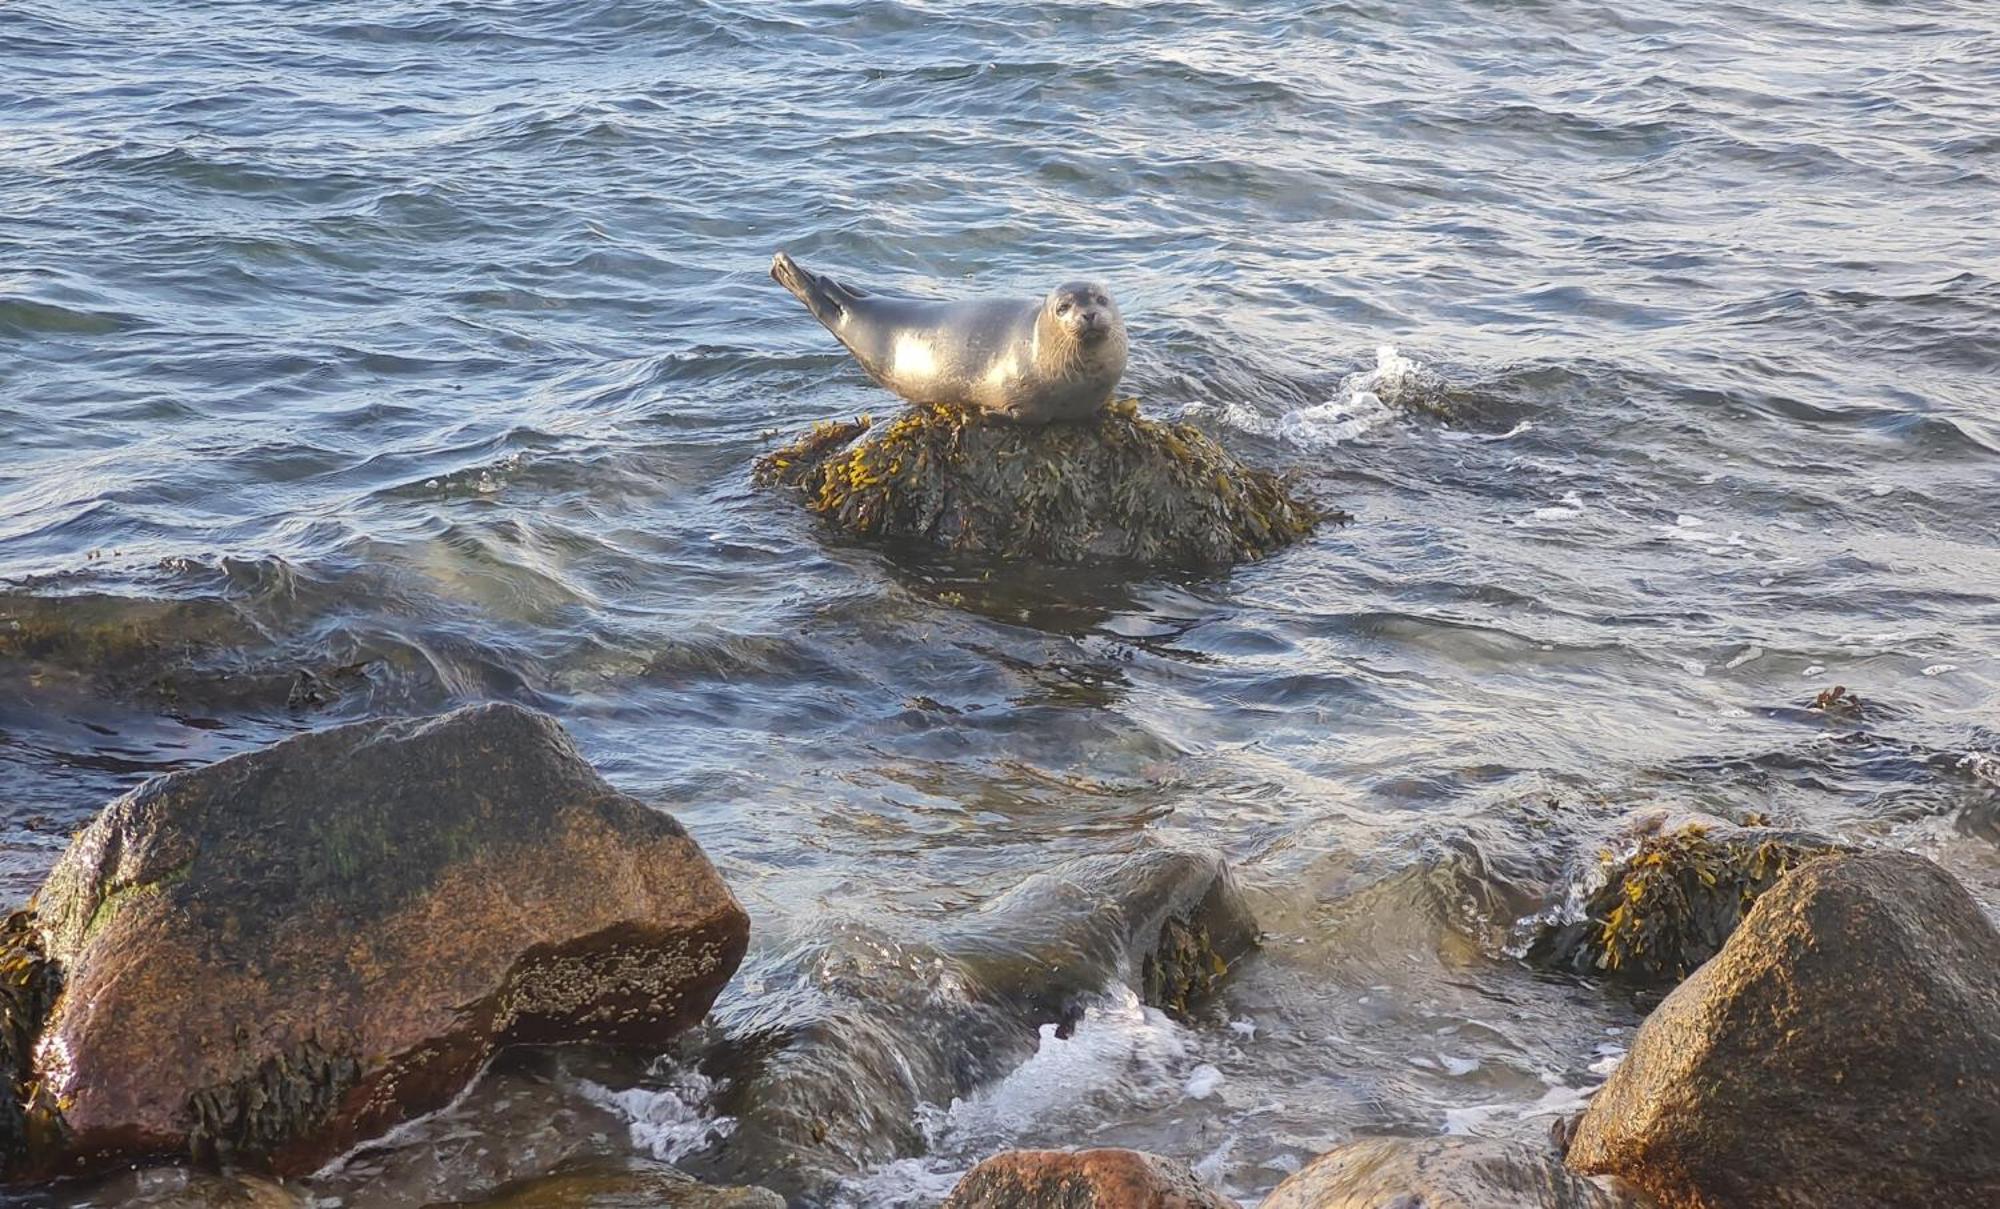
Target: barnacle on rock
{"type": "Point", "coordinates": [1119, 487]}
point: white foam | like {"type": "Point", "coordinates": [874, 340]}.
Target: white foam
{"type": "Point", "coordinates": [1121, 1054]}
{"type": "Point", "coordinates": [671, 1122]}
{"type": "Point", "coordinates": [1120, 1050]}
{"type": "Point", "coordinates": [1749, 653]}
{"type": "Point", "coordinates": [1202, 1082]}
{"type": "Point", "coordinates": [1570, 507]}
{"type": "Point", "coordinates": [1367, 399]}
{"type": "Point", "coordinates": [1557, 1101]}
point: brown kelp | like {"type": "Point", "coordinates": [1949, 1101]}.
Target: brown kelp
{"type": "Point", "coordinates": [1116, 488]}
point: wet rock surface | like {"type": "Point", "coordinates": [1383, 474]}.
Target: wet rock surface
{"type": "Point", "coordinates": [164, 654]}
{"type": "Point", "coordinates": [619, 1185]}
{"type": "Point", "coordinates": [274, 957]}
{"type": "Point", "coordinates": [823, 1069]}
{"type": "Point", "coordinates": [1083, 1179]}
{"type": "Point", "coordinates": [1444, 1173]}
{"type": "Point", "coordinates": [1668, 904]}
{"type": "Point", "coordinates": [1842, 1050]}
{"type": "Point", "coordinates": [1115, 488]}
{"type": "Point", "coordinates": [1168, 922]}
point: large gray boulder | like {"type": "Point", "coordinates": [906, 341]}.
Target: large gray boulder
{"type": "Point", "coordinates": [267, 960]}
{"type": "Point", "coordinates": [1842, 1051]}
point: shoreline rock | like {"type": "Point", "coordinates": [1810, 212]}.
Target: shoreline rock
{"type": "Point", "coordinates": [1444, 1173]}
{"type": "Point", "coordinates": [1842, 1051]}
{"type": "Point", "coordinates": [1117, 488]}
{"type": "Point", "coordinates": [1083, 1179]}
{"type": "Point", "coordinates": [272, 958]}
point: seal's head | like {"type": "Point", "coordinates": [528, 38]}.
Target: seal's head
{"type": "Point", "coordinates": [1083, 312]}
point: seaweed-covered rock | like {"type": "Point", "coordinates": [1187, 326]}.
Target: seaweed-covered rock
{"type": "Point", "coordinates": [1653, 914]}
{"type": "Point", "coordinates": [269, 959]}
{"type": "Point", "coordinates": [823, 1071]}
{"type": "Point", "coordinates": [1083, 1179]}
{"type": "Point", "coordinates": [1115, 488]}
{"type": "Point", "coordinates": [1841, 1051]}
{"type": "Point", "coordinates": [1444, 1173]}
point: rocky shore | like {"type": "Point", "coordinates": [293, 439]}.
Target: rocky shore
{"type": "Point", "coordinates": [250, 968]}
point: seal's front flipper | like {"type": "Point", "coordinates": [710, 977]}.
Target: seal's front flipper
{"type": "Point", "coordinates": [826, 298]}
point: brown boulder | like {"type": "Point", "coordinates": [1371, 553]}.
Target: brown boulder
{"type": "Point", "coordinates": [1083, 1179]}
{"type": "Point", "coordinates": [1841, 1051]}
{"type": "Point", "coordinates": [1443, 1173]}
{"type": "Point", "coordinates": [269, 959]}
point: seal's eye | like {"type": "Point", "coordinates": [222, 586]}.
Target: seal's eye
{"type": "Point", "coordinates": [1100, 300]}
{"type": "Point", "coordinates": [1063, 309]}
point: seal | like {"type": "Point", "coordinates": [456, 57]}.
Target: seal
{"type": "Point", "coordinates": [1029, 360]}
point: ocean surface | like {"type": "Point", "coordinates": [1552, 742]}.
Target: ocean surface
{"type": "Point", "coordinates": [373, 358]}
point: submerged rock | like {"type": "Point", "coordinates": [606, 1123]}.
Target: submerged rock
{"type": "Point", "coordinates": [269, 959]}
{"type": "Point", "coordinates": [1444, 1173]}
{"type": "Point", "coordinates": [615, 1185]}
{"type": "Point", "coordinates": [1083, 1179]}
{"type": "Point", "coordinates": [1670, 903]}
{"type": "Point", "coordinates": [823, 1070]}
{"type": "Point", "coordinates": [1168, 922]}
{"type": "Point", "coordinates": [1115, 488]}
{"type": "Point", "coordinates": [172, 655]}
{"type": "Point", "coordinates": [182, 1188]}
{"type": "Point", "coordinates": [1842, 1050]}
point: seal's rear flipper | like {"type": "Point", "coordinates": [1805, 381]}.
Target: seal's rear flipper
{"type": "Point", "coordinates": [826, 298]}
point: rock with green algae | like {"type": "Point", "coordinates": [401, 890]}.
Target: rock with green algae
{"type": "Point", "coordinates": [1117, 488]}
{"type": "Point", "coordinates": [270, 959]}
{"type": "Point", "coordinates": [1667, 905]}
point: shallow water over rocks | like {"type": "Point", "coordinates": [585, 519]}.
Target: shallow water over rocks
{"type": "Point", "coordinates": [370, 359]}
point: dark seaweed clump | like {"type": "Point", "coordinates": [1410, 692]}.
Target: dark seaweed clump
{"type": "Point", "coordinates": [29, 984]}
{"type": "Point", "coordinates": [1115, 488]}
{"type": "Point", "coordinates": [1670, 906]}
{"type": "Point", "coordinates": [285, 1099]}
{"type": "Point", "coordinates": [1184, 970]}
